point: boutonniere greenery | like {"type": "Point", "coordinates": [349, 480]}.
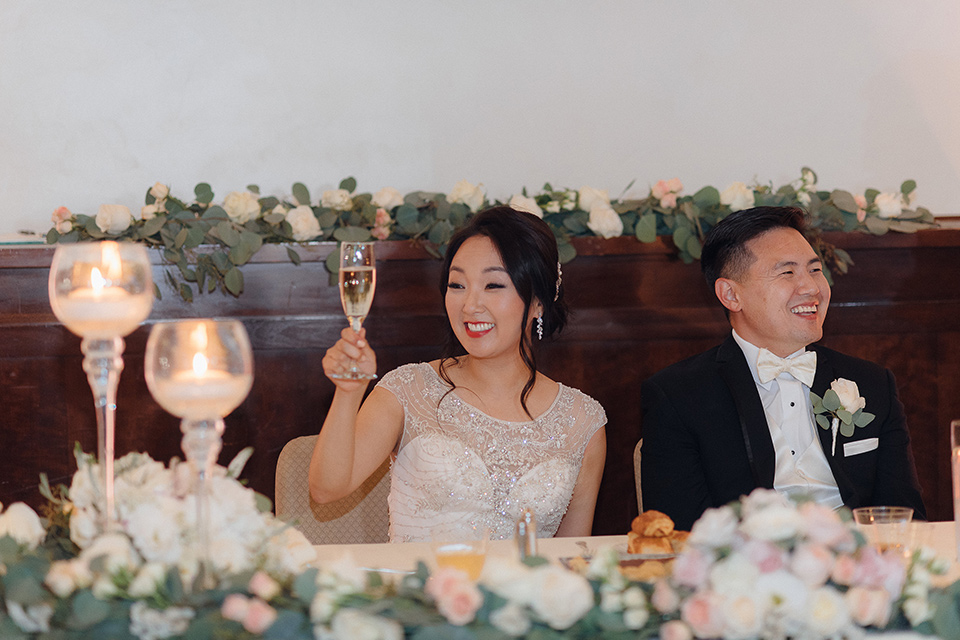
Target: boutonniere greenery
{"type": "Point", "coordinates": [845, 407]}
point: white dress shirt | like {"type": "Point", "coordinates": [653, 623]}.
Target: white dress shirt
{"type": "Point", "coordinates": [802, 469]}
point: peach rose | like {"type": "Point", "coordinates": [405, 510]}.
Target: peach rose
{"type": "Point", "coordinates": [664, 598]}
{"type": "Point", "coordinates": [675, 630]}
{"type": "Point", "coordinates": [691, 568]}
{"type": "Point", "coordinates": [459, 605]}
{"type": "Point", "coordinates": [263, 586]}
{"type": "Point", "coordinates": [844, 570]}
{"type": "Point", "coordinates": [868, 607]}
{"type": "Point", "coordinates": [766, 556]}
{"type": "Point", "coordinates": [260, 616]}
{"type": "Point", "coordinates": [812, 563]}
{"type": "Point", "coordinates": [704, 613]}
{"type": "Point", "coordinates": [235, 607]}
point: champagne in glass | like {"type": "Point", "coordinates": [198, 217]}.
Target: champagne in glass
{"type": "Point", "coordinates": [358, 281]}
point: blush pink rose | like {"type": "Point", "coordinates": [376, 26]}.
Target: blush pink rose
{"type": "Point", "coordinates": [880, 571]}
{"type": "Point", "coordinates": [674, 184]}
{"type": "Point", "coordinates": [260, 616]}
{"type": "Point", "coordinates": [660, 189]}
{"type": "Point", "coordinates": [664, 598]}
{"type": "Point", "coordinates": [861, 207]}
{"type": "Point", "coordinates": [844, 570]}
{"type": "Point", "coordinates": [380, 233]}
{"type": "Point", "coordinates": [812, 563]}
{"type": "Point", "coordinates": [691, 568]}
{"type": "Point", "coordinates": [822, 525]}
{"type": "Point", "coordinates": [263, 586]}
{"type": "Point", "coordinates": [675, 630]}
{"type": "Point", "coordinates": [444, 580]}
{"type": "Point", "coordinates": [704, 613]}
{"type": "Point", "coordinates": [868, 607]}
{"type": "Point", "coordinates": [669, 201]}
{"type": "Point", "coordinates": [235, 607]}
{"type": "Point", "coordinates": [460, 603]}
{"type": "Point", "coordinates": [766, 556]}
{"type": "Point", "coordinates": [383, 218]}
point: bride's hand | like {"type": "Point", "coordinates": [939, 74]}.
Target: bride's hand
{"type": "Point", "coordinates": [351, 349]}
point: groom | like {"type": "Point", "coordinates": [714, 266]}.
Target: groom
{"type": "Point", "coordinates": [720, 424]}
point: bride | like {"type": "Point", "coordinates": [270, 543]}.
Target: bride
{"type": "Point", "coordinates": [478, 435]}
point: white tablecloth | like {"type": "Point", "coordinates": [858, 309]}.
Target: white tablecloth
{"type": "Point", "coordinates": [403, 557]}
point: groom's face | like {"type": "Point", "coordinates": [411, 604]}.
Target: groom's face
{"type": "Point", "coordinates": [781, 299]}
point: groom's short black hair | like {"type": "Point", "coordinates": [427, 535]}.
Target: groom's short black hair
{"type": "Point", "coordinates": [725, 253]}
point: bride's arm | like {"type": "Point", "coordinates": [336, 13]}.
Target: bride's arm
{"type": "Point", "coordinates": [578, 521]}
{"type": "Point", "coordinates": [354, 439]}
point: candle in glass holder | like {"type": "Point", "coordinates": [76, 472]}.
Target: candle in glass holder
{"type": "Point", "coordinates": [201, 393]}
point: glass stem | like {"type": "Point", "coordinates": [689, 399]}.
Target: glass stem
{"type": "Point", "coordinates": [103, 362]}
{"type": "Point", "coordinates": [201, 444]}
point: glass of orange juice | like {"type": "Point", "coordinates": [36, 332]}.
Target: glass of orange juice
{"type": "Point", "coordinates": [463, 549]}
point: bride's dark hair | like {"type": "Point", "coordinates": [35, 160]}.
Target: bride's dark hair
{"type": "Point", "coordinates": [528, 249]}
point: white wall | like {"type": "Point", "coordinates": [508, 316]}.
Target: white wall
{"type": "Point", "coordinates": [98, 100]}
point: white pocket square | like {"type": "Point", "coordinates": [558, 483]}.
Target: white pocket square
{"type": "Point", "coordinates": [860, 446]}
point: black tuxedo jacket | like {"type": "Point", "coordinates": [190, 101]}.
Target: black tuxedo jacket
{"type": "Point", "coordinates": [706, 441]}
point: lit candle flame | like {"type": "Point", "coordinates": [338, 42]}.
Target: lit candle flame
{"type": "Point", "coordinates": [110, 258]}
{"type": "Point", "coordinates": [199, 364]}
{"type": "Point", "coordinates": [97, 281]}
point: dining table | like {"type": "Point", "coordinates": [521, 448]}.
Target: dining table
{"type": "Point", "coordinates": [402, 557]}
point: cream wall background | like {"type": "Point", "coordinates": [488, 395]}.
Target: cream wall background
{"type": "Point", "coordinates": [100, 100]}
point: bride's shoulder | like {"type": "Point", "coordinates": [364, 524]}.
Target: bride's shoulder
{"type": "Point", "coordinates": [590, 406]}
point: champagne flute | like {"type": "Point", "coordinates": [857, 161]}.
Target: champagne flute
{"type": "Point", "coordinates": [358, 281]}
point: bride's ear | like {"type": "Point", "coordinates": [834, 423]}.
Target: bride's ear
{"type": "Point", "coordinates": [728, 293]}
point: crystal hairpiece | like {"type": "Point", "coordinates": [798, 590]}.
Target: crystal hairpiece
{"type": "Point", "coordinates": [559, 280]}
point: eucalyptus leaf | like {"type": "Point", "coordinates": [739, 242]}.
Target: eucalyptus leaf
{"type": "Point", "coordinates": [440, 232]}
{"type": "Point", "coordinates": [215, 212]}
{"type": "Point", "coordinates": [844, 201]}
{"type": "Point", "coordinates": [680, 236]}
{"type": "Point", "coordinates": [823, 421]}
{"type": "Point", "coordinates": [53, 236]}
{"type": "Point", "coordinates": [240, 254]}
{"type": "Point", "coordinates": [87, 610]}
{"type": "Point", "coordinates": [908, 187]}
{"type": "Point", "coordinates": [846, 429]}
{"type": "Point", "coordinates": [646, 229]}
{"type": "Point", "coordinates": [845, 416]}
{"type": "Point", "coordinates": [294, 256]}
{"type": "Point", "coordinates": [203, 193]}
{"type": "Point", "coordinates": [831, 401]}
{"type": "Point", "coordinates": [233, 281]}
{"type": "Point", "coordinates": [332, 263]}
{"type": "Point", "coordinates": [863, 418]}
{"type": "Point", "coordinates": [876, 226]}
{"type": "Point", "coordinates": [180, 238]}
{"type": "Point", "coordinates": [152, 226]}
{"type": "Point", "coordinates": [228, 234]}
{"type": "Point", "coordinates": [567, 252]}
{"type": "Point", "coordinates": [305, 585]}
{"type": "Point", "coordinates": [350, 184]}
{"type": "Point", "coordinates": [301, 194]}
{"type": "Point", "coordinates": [694, 247]}
{"type": "Point", "coordinates": [707, 197]}
{"type": "Point", "coordinates": [186, 292]}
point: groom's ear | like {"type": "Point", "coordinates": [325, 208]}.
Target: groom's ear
{"type": "Point", "coordinates": [728, 293]}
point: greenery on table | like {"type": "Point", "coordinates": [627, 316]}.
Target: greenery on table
{"type": "Point", "coordinates": [207, 242]}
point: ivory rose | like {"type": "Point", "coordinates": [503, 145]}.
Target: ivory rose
{"type": "Point", "coordinates": [889, 205]}
{"type": "Point", "coordinates": [468, 194]}
{"type": "Point", "coordinates": [511, 620]}
{"type": "Point", "coordinates": [303, 223]}
{"type": "Point", "coordinates": [604, 221]}
{"type": "Point", "coordinates": [737, 196]}
{"type": "Point", "coordinates": [743, 616]}
{"type": "Point", "coordinates": [113, 218]}
{"type": "Point", "coordinates": [350, 624]}
{"type": "Point", "coordinates": [22, 523]}
{"type": "Point", "coordinates": [717, 527]}
{"type": "Point", "coordinates": [521, 202]}
{"type": "Point", "coordinates": [150, 211]}
{"type": "Point", "coordinates": [116, 550]}
{"type": "Point", "coordinates": [868, 607]}
{"type": "Point", "coordinates": [849, 394]}
{"type": "Point", "coordinates": [775, 523]}
{"type": "Point", "coordinates": [159, 191]}
{"type": "Point", "coordinates": [387, 198]}
{"type": "Point", "coordinates": [339, 199]}
{"type": "Point", "coordinates": [241, 206]}
{"type": "Point", "coordinates": [589, 197]}
{"type": "Point", "coordinates": [812, 563]}
{"type": "Point", "coordinates": [150, 577]}
{"type": "Point", "coordinates": [827, 612]}
{"type": "Point", "coordinates": [703, 611]}
{"type": "Point", "coordinates": [561, 597]}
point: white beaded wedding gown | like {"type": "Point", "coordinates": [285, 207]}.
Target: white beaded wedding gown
{"type": "Point", "coordinates": [458, 469]}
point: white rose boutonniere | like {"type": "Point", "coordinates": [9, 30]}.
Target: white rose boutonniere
{"type": "Point", "coordinates": [845, 406]}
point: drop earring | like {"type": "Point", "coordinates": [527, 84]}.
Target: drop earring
{"type": "Point", "coordinates": [539, 327]}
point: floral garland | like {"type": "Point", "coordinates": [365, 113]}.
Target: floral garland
{"type": "Point", "coordinates": [760, 568]}
{"type": "Point", "coordinates": [233, 231]}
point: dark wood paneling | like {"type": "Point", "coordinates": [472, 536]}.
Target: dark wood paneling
{"type": "Point", "coordinates": [636, 309]}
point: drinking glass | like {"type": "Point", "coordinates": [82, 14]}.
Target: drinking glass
{"type": "Point", "coordinates": [102, 291]}
{"type": "Point", "coordinates": [358, 281]}
{"type": "Point", "coordinates": [885, 528]}
{"type": "Point", "coordinates": [200, 371]}
{"type": "Point", "coordinates": [955, 464]}
{"type": "Point", "coordinates": [462, 549]}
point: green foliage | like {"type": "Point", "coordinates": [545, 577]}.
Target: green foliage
{"type": "Point", "coordinates": [205, 245]}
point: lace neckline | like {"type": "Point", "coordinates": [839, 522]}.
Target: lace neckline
{"type": "Point", "coordinates": [437, 379]}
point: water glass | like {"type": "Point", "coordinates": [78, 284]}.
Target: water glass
{"type": "Point", "coordinates": [465, 550]}
{"type": "Point", "coordinates": [885, 528]}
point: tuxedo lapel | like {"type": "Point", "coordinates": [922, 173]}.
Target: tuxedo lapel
{"type": "Point", "coordinates": [733, 368]}
{"type": "Point", "coordinates": [826, 374]}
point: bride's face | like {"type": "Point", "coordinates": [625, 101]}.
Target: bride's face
{"type": "Point", "coordinates": [483, 306]}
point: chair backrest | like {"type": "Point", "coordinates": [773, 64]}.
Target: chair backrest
{"type": "Point", "coordinates": [636, 474]}
{"type": "Point", "coordinates": [358, 518]}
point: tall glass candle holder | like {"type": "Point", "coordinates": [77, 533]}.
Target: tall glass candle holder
{"type": "Point", "coordinates": [200, 371]}
{"type": "Point", "coordinates": [102, 291]}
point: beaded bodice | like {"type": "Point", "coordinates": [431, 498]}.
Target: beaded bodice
{"type": "Point", "coordinates": [459, 469]}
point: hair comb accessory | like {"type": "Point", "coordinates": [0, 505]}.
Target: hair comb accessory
{"type": "Point", "coordinates": [559, 280]}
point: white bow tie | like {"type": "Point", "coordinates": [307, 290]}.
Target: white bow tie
{"type": "Point", "coordinates": [802, 367]}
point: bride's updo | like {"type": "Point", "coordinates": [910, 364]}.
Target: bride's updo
{"type": "Point", "coordinates": [528, 250]}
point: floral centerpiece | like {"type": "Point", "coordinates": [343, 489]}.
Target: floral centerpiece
{"type": "Point", "coordinates": [207, 242]}
{"type": "Point", "coordinates": [760, 568]}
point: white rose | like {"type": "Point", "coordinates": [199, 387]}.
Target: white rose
{"type": "Point", "coordinates": [634, 598]}
{"type": "Point", "coordinates": [588, 197]}
{"type": "Point", "coordinates": [774, 523]}
{"type": "Point", "coordinates": [116, 550]}
{"type": "Point", "coordinates": [849, 394]}
{"type": "Point", "coordinates": [33, 619]}
{"type": "Point", "coordinates": [60, 578]}
{"type": "Point", "coordinates": [304, 224]}
{"type": "Point", "coordinates": [289, 553]}
{"type": "Point", "coordinates": [241, 206]}
{"type": "Point", "coordinates": [350, 624]}
{"type": "Point", "coordinates": [552, 207]}
{"type": "Point", "coordinates": [917, 610]}
{"type": "Point", "coordinates": [149, 623]}
{"type": "Point", "coordinates": [868, 607]}
{"type": "Point", "coordinates": [83, 527]}
{"type": "Point", "coordinates": [113, 218]}
{"type": "Point", "coordinates": [804, 198]}
{"type": "Point", "coordinates": [150, 577]}
{"type": "Point", "coordinates": [159, 191]}
{"type": "Point", "coordinates": [387, 198]}
{"type": "Point", "coordinates": [467, 193]}
{"type": "Point", "coordinates": [783, 591]}
{"type": "Point", "coordinates": [735, 573]}
{"type": "Point", "coordinates": [155, 528]}
{"type": "Point", "coordinates": [561, 597]}
{"type": "Point", "coordinates": [889, 205]}
{"type": "Point", "coordinates": [103, 588]}
{"type": "Point", "coordinates": [508, 578]}
{"type": "Point", "coordinates": [827, 611]}
{"type": "Point", "coordinates": [743, 616]}
{"type": "Point", "coordinates": [22, 523]}
{"type": "Point", "coordinates": [737, 196]}
{"type": "Point", "coordinates": [511, 620]}
{"type": "Point", "coordinates": [812, 563]}
{"type": "Point", "coordinates": [150, 211]}
{"type": "Point", "coordinates": [635, 618]}
{"type": "Point", "coordinates": [521, 202]}
{"type": "Point", "coordinates": [339, 199]}
{"type": "Point", "coordinates": [760, 499]}
{"type": "Point", "coordinates": [604, 221]}
{"type": "Point", "coordinates": [716, 528]}
{"type": "Point", "coordinates": [322, 607]}
{"type": "Point", "coordinates": [229, 555]}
